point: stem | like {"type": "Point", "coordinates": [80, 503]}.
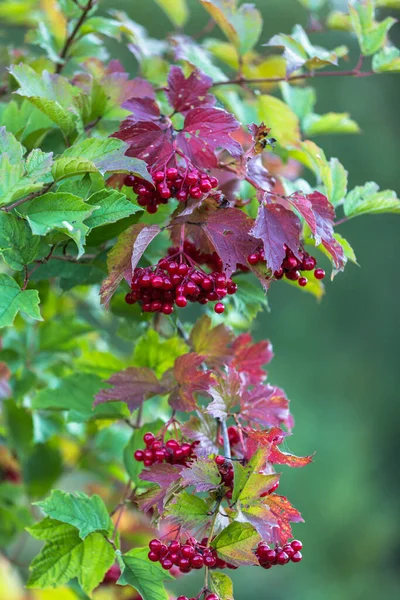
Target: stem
{"type": "Point", "coordinates": [225, 437]}
{"type": "Point", "coordinates": [343, 220]}
{"type": "Point", "coordinates": [71, 38]}
{"type": "Point", "coordinates": [119, 510]}
{"type": "Point", "coordinates": [26, 198]}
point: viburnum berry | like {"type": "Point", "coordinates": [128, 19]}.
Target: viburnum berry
{"type": "Point", "coordinates": [174, 182]}
{"type": "Point", "coordinates": [226, 472]}
{"type": "Point", "coordinates": [212, 597]}
{"type": "Point", "coordinates": [172, 452]}
{"type": "Point", "coordinates": [267, 557]}
{"type": "Point", "coordinates": [177, 280]}
{"type": "Point", "coordinates": [189, 555]}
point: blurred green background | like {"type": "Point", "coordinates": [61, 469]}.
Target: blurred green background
{"type": "Point", "coordinates": [339, 360]}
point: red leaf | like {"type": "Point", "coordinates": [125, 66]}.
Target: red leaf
{"type": "Point", "coordinates": [225, 394]}
{"type": "Point", "coordinates": [133, 386]}
{"type": "Point", "coordinates": [190, 379]}
{"type": "Point", "coordinates": [187, 93]}
{"type": "Point", "coordinates": [125, 255]}
{"type": "Point", "coordinates": [165, 476]}
{"type": "Point", "coordinates": [205, 130]}
{"type": "Point", "coordinates": [228, 230]}
{"type": "Point", "coordinates": [270, 440]}
{"type": "Point", "coordinates": [258, 175]}
{"type": "Point", "coordinates": [211, 342]}
{"type": "Point", "coordinates": [143, 109]}
{"type": "Point", "coordinates": [266, 405]}
{"type": "Point", "coordinates": [285, 514]}
{"type": "Point", "coordinates": [303, 206]}
{"type": "Point", "coordinates": [325, 215]}
{"type": "Point", "coordinates": [147, 140]}
{"type": "Point", "coordinates": [249, 357]}
{"type": "Point", "coordinates": [277, 226]}
{"type": "Point", "coordinates": [203, 429]}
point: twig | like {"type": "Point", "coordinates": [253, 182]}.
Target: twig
{"type": "Point", "coordinates": [225, 437]}
{"type": "Point", "coordinates": [26, 198]}
{"type": "Point", "coordinates": [71, 38]}
{"type": "Point", "coordinates": [119, 510]}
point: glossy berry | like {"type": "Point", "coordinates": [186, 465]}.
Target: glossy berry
{"type": "Point", "coordinates": [212, 597]}
{"type": "Point", "coordinates": [296, 545]}
{"type": "Point", "coordinates": [319, 273]}
{"type": "Point", "coordinates": [219, 308]}
{"type": "Point", "coordinates": [297, 557]}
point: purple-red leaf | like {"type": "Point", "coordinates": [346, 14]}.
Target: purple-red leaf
{"type": "Point", "coordinates": [303, 206]}
{"type": "Point", "coordinates": [211, 342]}
{"type": "Point", "coordinates": [187, 93]}
{"type": "Point", "coordinates": [143, 109]}
{"type": "Point", "coordinates": [203, 474]}
{"type": "Point", "coordinates": [325, 215]}
{"type": "Point", "coordinates": [205, 130]}
{"type": "Point", "coordinates": [250, 357]}
{"type": "Point", "coordinates": [166, 477]}
{"type": "Point", "coordinates": [149, 141]}
{"type": "Point", "coordinates": [228, 230]}
{"type": "Point", "coordinates": [190, 379]}
{"type": "Point", "coordinates": [266, 405]}
{"type": "Point", "coordinates": [225, 394]}
{"type": "Point", "coordinates": [133, 386]}
{"type": "Point", "coordinates": [125, 255]}
{"type": "Point", "coordinates": [202, 429]}
{"type": "Point", "coordinates": [277, 226]}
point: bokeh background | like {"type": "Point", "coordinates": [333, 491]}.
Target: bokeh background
{"type": "Point", "coordinates": [337, 360]}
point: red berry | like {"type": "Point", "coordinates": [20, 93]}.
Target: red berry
{"type": "Point", "coordinates": [158, 176]}
{"type": "Point", "coordinates": [190, 288]}
{"type": "Point", "coordinates": [148, 439]}
{"type": "Point", "coordinates": [297, 557]}
{"type": "Point", "coordinates": [282, 558]}
{"type": "Point", "coordinates": [139, 455]}
{"type": "Point", "coordinates": [129, 299]}
{"type": "Point", "coordinates": [172, 444]}
{"type": "Point", "coordinates": [155, 545]}
{"type": "Point", "coordinates": [153, 556]}
{"type": "Point", "coordinates": [232, 289]}
{"type": "Point", "coordinates": [183, 269]}
{"type": "Point", "coordinates": [289, 550]}
{"type": "Point", "coordinates": [195, 192]}
{"type": "Point", "coordinates": [319, 273]}
{"type": "Point", "coordinates": [302, 281]}
{"type": "Point", "coordinates": [182, 195]}
{"type": "Point", "coordinates": [205, 186]}
{"type": "Point", "coordinates": [207, 284]}
{"type": "Point", "coordinates": [211, 597]}
{"type": "Point", "coordinates": [253, 259]}
{"type": "Point", "coordinates": [181, 301]}
{"type": "Point", "coordinates": [167, 564]}
{"type": "Point", "coordinates": [214, 182]}
{"type": "Point", "coordinates": [192, 178]}
{"type": "Point", "coordinates": [220, 460]}
{"type": "Point", "coordinates": [129, 180]}
{"type": "Point", "coordinates": [157, 281]}
{"type": "Point", "coordinates": [172, 267]}
{"type": "Point", "coordinates": [296, 545]}
{"type": "Point", "coordinates": [184, 563]}
{"type": "Point", "coordinates": [165, 193]}
{"type": "Point", "coordinates": [292, 275]}
{"type": "Point", "coordinates": [167, 309]}
{"type": "Point", "coordinates": [210, 561]}
{"type": "Point", "coordinates": [188, 551]}
{"type": "Point", "coordinates": [182, 598]}
{"type": "Point", "coordinates": [219, 308]}
{"type": "Point", "coordinates": [197, 561]}
{"type": "Point", "coordinates": [172, 173]}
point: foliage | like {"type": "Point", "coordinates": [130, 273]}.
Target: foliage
{"type": "Point", "coordinates": [122, 199]}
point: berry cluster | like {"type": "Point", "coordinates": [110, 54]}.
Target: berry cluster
{"type": "Point", "coordinates": [207, 597]}
{"type": "Point", "coordinates": [174, 182]}
{"type": "Point", "coordinates": [291, 266]}
{"type": "Point", "coordinates": [268, 557]}
{"type": "Point", "coordinates": [210, 259]}
{"type": "Point", "coordinates": [190, 555]}
{"type": "Point", "coordinates": [225, 468]}
{"type": "Point", "coordinates": [171, 452]}
{"type": "Point", "coordinates": [175, 280]}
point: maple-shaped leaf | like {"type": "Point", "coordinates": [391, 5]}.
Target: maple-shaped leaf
{"type": "Point", "coordinates": [269, 441]}
{"type": "Point", "coordinates": [225, 394]}
{"type": "Point", "coordinates": [228, 230]}
{"type": "Point", "coordinates": [189, 511]}
{"type": "Point", "coordinates": [324, 213]}
{"type": "Point", "coordinates": [143, 109]}
{"type": "Point", "coordinates": [266, 405]}
{"type": "Point", "coordinates": [304, 207]}
{"type": "Point", "coordinates": [190, 379]}
{"type": "Point", "coordinates": [260, 137]}
{"type": "Point", "coordinates": [236, 544]}
{"type": "Point", "coordinates": [167, 479]}
{"type": "Point", "coordinates": [133, 386]}
{"type": "Point", "coordinates": [284, 513]}
{"type": "Point", "coordinates": [259, 176]}
{"type": "Point", "coordinates": [276, 227]}
{"type": "Point", "coordinates": [203, 429]}
{"type": "Point", "coordinates": [212, 342]}
{"type": "Point", "coordinates": [205, 130]}
{"type": "Point", "coordinates": [187, 93]}
{"type": "Point", "coordinates": [125, 255]}
{"type": "Point", "coordinates": [149, 141]}
{"type": "Point", "coordinates": [249, 357]}
{"type": "Point", "coordinates": [203, 474]}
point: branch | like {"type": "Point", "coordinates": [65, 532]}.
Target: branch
{"type": "Point", "coordinates": [71, 38]}
{"type": "Point", "coordinates": [225, 437]}
{"type": "Point", "coordinates": [356, 72]}
{"type": "Point", "coordinates": [27, 198]}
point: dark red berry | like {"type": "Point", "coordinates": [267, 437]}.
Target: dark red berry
{"type": "Point", "coordinates": [282, 558]}
{"type": "Point", "coordinates": [155, 545]}
{"type": "Point", "coordinates": [319, 273]}
{"type": "Point", "coordinates": [181, 301]}
{"type": "Point", "coordinates": [197, 561]}
{"type": "Point", "coordinates": [139, 455]}
{"type": "Point", "coordinates": [148, 438]}
{"type": "Point", "coordinates": [302, 281]}
{"type": "Point", "coordinates": [297, 557]}
{"type": "Point", "coordinates": [296, 545]}
{"type": "Point", "coordinates": [219, 308]}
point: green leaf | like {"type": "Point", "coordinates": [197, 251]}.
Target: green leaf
{"type": "Point", "coordinates": [75, 392]}
{"type": "Point", "coordinates": [71, 166]}
{"type": "Point", "coordinates": [329, 123]}
{"type": "Point", "coordinates": [221, 585]}
{"type": "Point", "coordinates": [13, 520]}
{"type": "Point", "coordinates": [243, 486]}
{"type": "Point", "coordinates": [38, 164]}
{"type": "Point", "coordinates": [338, 178]}
{"type": "Point", "coordinates": [108, 156]}
{"type": "Point", "coordinates": [51, 94]}
{"type": "Point", "coordinates": [13, 300]}
{"type": "Point", "coordinates": [10, 146]}
{"type": "Point", "coordinates": [41, 468]}
{"type": "Point", "coordinates": [59, 211]}
{"type": "Point", "coordinates": [348, 250]}
{"type": "Point", "coordinates": [65, 556]}
{"type": "Point", "coordinates": [242, 26]}
{"type": "Point", "coordinates": [188, 510]}
{"type": "Point", "coordinates": [19, 425]}
{"type": "Point", "coordinates": [248, 301]}
{"type": "Point", "coordinates": [87, 514]}
{"type": "Point", "coordinates": [112, 206]}
{"type": "Point", "coordinates": [236, 543]}
{"type": "Point", "coordinates": [370, 33]}
{"type": "Point", "coordinates": [157, 354]}
{"type": "Point", "coordinates": [367, 199]}
{"type": "Point", "coordinates": [176, 10]}
{"type": "Point", "coordinates": [312, 5]}
{"type": "Point", "coordinates": [386, 60]}
{"type": "Point", "coordinates": [283, 122]}
{"type": "Point", "coordinates": [17, 244]}
{"type": "Point", "coordinates": [143, 575]}
{"type": "Point", "coordinates": [300, 100]}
